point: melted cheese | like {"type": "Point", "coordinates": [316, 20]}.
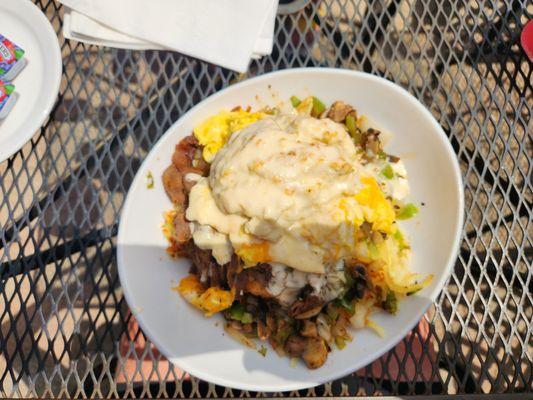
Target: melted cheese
{"type": "Point", "coordinates": [291, 190]}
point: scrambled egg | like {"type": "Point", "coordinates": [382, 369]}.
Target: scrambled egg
{"type": "Point", "coordinates": [254, 253]}
{"type": "Point", "coordinates": [214, 132]}
{"type": "Point", "coordinates": [370, 205]}
{"type": "Point", "coordinates": [376, 208]}
{"type": "Point", "coordinates": [210, 301]}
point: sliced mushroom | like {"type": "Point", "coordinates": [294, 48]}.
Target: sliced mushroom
{"type": "Point", "coordinates": [339, 111]}
{"type": "Point", "coordinates": [361, 284]}
{"type": "Point", "coordinates": [262, 331]}
{"type": "Point", "coordinates": [233, 271]}
{"type": "Point", "coordinates": [235, 325]}
{"type": "Point", "coordinates": [257, 279]}
{"type": "Point", "coordinates": [306, 308]}
{"type": "Point", "coordinates": [271, 322]}
{"type": "Point", "coordinates": [295, 345]}
{"type": "Point", "coordinates": [371, 141]}
{"type": "Point", "coordinates": [309, 329]}
{"type": "Point", "coordinates": [309, 313]}
{"type": "Point", "coordinates": [247, 328]}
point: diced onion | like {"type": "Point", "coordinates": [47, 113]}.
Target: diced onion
{"type": "Point", "coordinates": [375, 327]}
{"type": "Point", "coordinates": [323, 328]}
{"type": "Point", "coordinates": [362, 310]}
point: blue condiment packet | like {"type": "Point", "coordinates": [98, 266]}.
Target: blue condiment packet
{"type": "Point", "coordinates": [11, 59]}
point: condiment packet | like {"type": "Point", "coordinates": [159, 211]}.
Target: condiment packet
{"type": "Point", "coordinates": [11, 59]}
{"type": "Point", "coordinates": [7, 98]}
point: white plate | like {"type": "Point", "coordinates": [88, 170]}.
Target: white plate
{"type": "Point", "coordinates": [195, 343]}
{"type": "Point", "coordinates": [37, 84]}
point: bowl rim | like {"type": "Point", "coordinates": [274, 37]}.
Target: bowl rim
{"type": "Point", "coordinates": [401, 333]}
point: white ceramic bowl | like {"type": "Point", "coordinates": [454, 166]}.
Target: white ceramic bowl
{"type": "Point", "coordinates": [197, 344]}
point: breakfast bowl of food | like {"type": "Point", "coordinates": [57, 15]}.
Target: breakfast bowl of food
{"type": "Point", "coordinates": [290, 229]}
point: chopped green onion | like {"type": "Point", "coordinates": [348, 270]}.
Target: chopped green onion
{"type": "Point", "coordinates": [350, 124]}
{"type": "Point", "coordinates": [318, 107]}
{"type": "Point", "coordinates": [295, 101]}
{"type": "Point", "coordinates": [340, 342]}
{"type": "Point", "coordinates": [400, 239]}
{"type": "Point", "coordinates": [149, 180]}
{"type": "Point", "coordinates": [407, 211]}
{"type": "Point", "coordinates": [387, 172]}
{"type": "Point", "coordinates": [247, 318]}
{"type": "Point", "coordinates": [382, 155]}
{"type": "Point", "coordinates": [344, 303]}
{"type": "Point", "coordinates": [398, 236]}
{"type": "Point", "coordinates": [391, 303]}
{"type": "Point", "coordinates": [262, 351]}
{"type": "Point", "coordinates": [353, 130]}
{"type": "Point", "coordinates": [236, 311]}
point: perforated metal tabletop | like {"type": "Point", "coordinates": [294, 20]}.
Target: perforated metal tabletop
{"type": "Point", "coordinates": [65, 328]}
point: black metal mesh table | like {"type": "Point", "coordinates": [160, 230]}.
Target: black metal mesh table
{"type": "Point", "coordinates": [62, 312]}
